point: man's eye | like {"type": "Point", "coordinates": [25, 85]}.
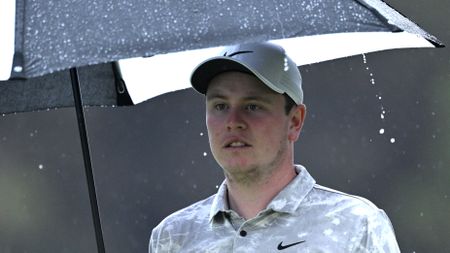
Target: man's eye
{"type": "Point", "coordinates": [252, 107]}
{"type": "Point", "coordinates": [220, 107]}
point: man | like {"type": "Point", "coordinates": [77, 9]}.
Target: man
{"type": "Point", "coordinates": [254, 114]}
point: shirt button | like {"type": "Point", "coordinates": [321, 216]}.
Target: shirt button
{"type": "Point", "coordinates": [243, 233]}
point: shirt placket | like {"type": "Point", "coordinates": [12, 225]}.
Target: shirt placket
{"type": "Point", "coordinates": [244, 241]}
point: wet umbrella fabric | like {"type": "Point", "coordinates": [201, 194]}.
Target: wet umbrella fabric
{"type": "Point", "coordinates": [101, 85]}
{"type": "Point", "coordinates": [56, 35]}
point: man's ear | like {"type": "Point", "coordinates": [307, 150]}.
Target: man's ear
{"type": "Point", "coordinates": [296, 119]}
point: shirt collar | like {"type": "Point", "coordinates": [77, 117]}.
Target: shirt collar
{"type": "Point", "coordinates": [287, 200]}
{"type": "Point", "coordinates": [220, 201]}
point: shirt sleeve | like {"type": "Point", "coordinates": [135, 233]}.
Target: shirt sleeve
{"type": "Point", "coordinates": [162, 240]}
{"type": "Point", "coordinates": [378, 235]}
{"type": "Point", "coordinates": [153, 242]}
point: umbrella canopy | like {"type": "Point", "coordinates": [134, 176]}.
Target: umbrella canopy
{"type": "Point", "coordinates": [56, 35]}
{"type": "Point", "coordinates": [101, 84]}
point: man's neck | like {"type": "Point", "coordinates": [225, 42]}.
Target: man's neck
{"type": "Point", "coordinates": [249, 199]}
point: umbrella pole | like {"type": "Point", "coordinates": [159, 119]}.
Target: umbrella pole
{"type": "Point", "coordinates": [87, 159]}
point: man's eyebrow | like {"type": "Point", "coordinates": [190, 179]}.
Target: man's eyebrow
{"type": "Point", "coordinates": [261, 98]}
{"type": "Point", "coordinates": [213, 95]}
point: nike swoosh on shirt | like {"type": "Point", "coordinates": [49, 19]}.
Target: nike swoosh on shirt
{"type": "Point", "coordinates": [282, 247]}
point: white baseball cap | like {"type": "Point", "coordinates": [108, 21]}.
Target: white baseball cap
{"type": "Point", "coordinates": [267, 61]}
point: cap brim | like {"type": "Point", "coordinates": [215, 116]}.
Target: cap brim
{"type": "Point", "coordinates": [207, 70]}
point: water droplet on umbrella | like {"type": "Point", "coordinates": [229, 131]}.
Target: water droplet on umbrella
{"type": "Point", "coordinates": [18, 69]}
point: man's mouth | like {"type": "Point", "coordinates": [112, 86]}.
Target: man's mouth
{"type": "Point", "coordinates": [237, 144]}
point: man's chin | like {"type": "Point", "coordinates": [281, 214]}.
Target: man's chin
{"type": "Point", "coordinates": [237, 165]}
{"type": "Point", "coordinates": [243, 175]}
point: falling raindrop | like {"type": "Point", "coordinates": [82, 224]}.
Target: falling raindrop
{"type": "Point", "coordinates": [378, 97]}
{"type": "Point", "coordinates": [205, 154]}
{"type": "Point", "coordinates": [41, 166]}
{"type": "Point", "coordinates": [32, 134]}
{"type": "Point", "coordinates": [383, 112]}
{"type": "Point", "coordinates": [201, 134]}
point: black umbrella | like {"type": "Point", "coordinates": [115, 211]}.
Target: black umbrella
{"type": "Point", "coordinates": [59, 35]}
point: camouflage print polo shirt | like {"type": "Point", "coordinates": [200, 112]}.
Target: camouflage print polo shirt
{"type": "Point", "coordinates": [303, 217]}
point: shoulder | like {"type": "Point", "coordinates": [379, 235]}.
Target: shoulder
{"type": "Point", "coordinates": [168, 234]}
{"type": "Point", "coordinates": [344, 200]}
{"type": "Point", "coordinates": [372, 230]}
{"type": "Point", "coordinates": [197, 212]}
{"type": "Point", "coordinates": [354, 210]}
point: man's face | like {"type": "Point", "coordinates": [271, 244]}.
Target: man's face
{"type": "Point", "coordinates": [248, 129]}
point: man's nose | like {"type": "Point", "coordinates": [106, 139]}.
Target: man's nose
{"type": "Point", "coordinates": [235, 120]}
